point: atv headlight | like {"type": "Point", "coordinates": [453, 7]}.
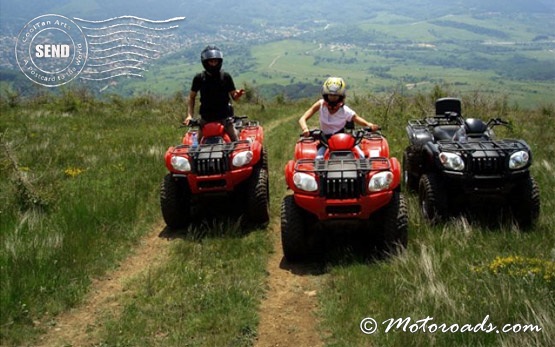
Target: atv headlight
{"type": "Point", "coordinates": [380, 181]}
{"type": "Point", "coordinates": [242, 158]}
{"type": "Point", "coordinates": [181, 164]}
{"type": "Point", "coordinates": [518, 160]}
{"type": "Point", "coordinates": [305, 182]}
{"type": "Point", "coordinates": [451, 161]}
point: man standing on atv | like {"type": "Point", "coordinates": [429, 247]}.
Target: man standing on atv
{"type": "Point", "coordinates": [334, 114]}
{"type": "Point", "coordinates": [216, 88]}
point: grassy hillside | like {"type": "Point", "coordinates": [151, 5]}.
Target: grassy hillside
{"type": "Point", "coordinates": [497, 54]}
{"type": "Point", "coordinates": [287, 49]}
{"type": "Point", "coordinates": [80, 179]}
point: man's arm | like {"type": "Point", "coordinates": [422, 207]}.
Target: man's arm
{"type": "Point", "coordinates": [190, 107]}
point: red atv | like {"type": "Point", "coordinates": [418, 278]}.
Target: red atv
{"type": "Point", "coordinates": [355, 182]}
{"type": "Point", "coordinates": [216, 168]}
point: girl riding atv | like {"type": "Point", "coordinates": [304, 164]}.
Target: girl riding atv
{"type": "Point", "coordinates": [334, 114]}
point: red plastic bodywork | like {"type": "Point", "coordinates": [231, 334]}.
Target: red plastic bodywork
{"type": "Point", "coordinates": [226, 182]}
{"type": "Point", "coordinates": [375, 148]}
{"type": "Point", "coordinates": [341, 142]}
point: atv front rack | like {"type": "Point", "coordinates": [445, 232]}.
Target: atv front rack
{"type": "Point", "coordinates": [347, 164]}
{"type": "Point", "coordinates": [484, 157]}
{"type": "Point", "coordinates": [342, 178]}
{"type": "Point", "coordinates": [213, 159]}
{"type": "Point", "coordinates": [505, 145]}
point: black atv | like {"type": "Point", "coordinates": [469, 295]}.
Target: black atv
{"type": "Point", "coordinates": [455, 164]}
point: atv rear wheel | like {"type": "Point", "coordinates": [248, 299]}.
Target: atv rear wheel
{"type": "Point", "coordinates": [174, 202]}
{"type": "Point", "coordinates": [293, 234]}
{"type": "Point", "coordinates": [258, 197]}
{"type": "Point", "coordinates": [410, 179]}
{"type": "Point", "coordinates": [525, 202]}
{"type": "Point", "coordinates": [395, 224]}
{"type": "Point", "coordinates": [433, 199]}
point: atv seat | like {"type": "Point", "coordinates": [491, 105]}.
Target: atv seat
{"type": "Point", "coordinates": [445, 132]}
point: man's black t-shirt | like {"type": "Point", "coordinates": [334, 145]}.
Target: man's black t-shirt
{"type": "Point", "coordinates": [214, 94]}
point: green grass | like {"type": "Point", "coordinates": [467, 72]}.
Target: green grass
{"type": "Point", "coordinates": [95, 174]}
{"type": "Point", "coordinates": [206, 294]}
{"type": "Point", "coordinates": [94, 167]}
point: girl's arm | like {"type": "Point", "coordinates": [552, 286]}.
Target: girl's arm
{"type": "Point", "coordinates": [306, 116]}
{"type": "Point", "coordinates": [361, 121]}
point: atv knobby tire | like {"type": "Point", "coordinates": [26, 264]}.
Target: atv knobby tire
{"type": "Point", "coordinates": [174, 202]}
{"type": "Point", "coordinates": [433, 198]}
{"type": "Point", "coordinates": [258, 197]}
{"type": "Point", "coordinates": [525, 202]}
{"type": "Point", "coordinates": [293, 234]}
{"type": "Point", "coordinates": [264, 159]}
{"type": "Point", "coordinates": [395, 225]}
{"type": "Point", "coordinates": [410, 178]}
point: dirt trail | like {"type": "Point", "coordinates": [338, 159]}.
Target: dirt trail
{"type": "Point", "coordinates": [79, 326]}
{"type": "Point", "coordinates": [287, 314]}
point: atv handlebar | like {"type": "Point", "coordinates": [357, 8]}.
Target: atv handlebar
{"type": "Point", "coordinates": [497, 121]}
{"type": "Point", "coordinates": [317, 133]}
{"type": "Point", "coordinates": [195, 122]}
{"type": "Point", "coordinates": [358, 134]}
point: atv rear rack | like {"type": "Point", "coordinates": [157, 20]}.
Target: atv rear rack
{"type": "Point", "coordinates": [431, 122]}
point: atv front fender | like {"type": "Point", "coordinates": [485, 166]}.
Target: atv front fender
{"type": "Point", "coordinates": [396, 169]}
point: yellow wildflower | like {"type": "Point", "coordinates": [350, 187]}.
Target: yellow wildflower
{"type": "Point", "coordinates": [73, 172]}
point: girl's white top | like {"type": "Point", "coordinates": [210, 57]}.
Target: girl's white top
{"type": "Point", "coordinates": [332, 123]}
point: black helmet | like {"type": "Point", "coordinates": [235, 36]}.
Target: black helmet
{"type": "Point", "coordinates": [211, 52]}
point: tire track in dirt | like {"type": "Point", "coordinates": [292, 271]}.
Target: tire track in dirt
{"type": "Point", "coordinates": [287, 314]}
{"type": "Point", "coordinates": [79, 326]}
{"type": "Point", "coordinates": [288, 311]}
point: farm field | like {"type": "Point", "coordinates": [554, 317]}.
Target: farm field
{"type": "Point", "coordinates": [499, 55]}
{"type": "Point", "coordinates": [86, 260]}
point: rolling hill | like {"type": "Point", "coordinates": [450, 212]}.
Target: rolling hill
{"type": "Point", "coordinates": [286, 48]}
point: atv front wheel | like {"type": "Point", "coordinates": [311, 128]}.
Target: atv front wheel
{"type": "Point", "coordinates": [293, 235]}
{"type": "Point", "coordinates": [258, 199]}
{"type": "Point", "coordinates": [395, 224]}
{"type": "Point", "coordinates": [525, 202]}
{"type": "Point", "coordinates": [174, 202]}
{"type": "Point", "coordinates": [433, 199]}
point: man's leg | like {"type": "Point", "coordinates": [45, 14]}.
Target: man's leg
{"type": "Point", "coordinates": [230, 129]}
{"type": "Point", "coordinates": [202, 123]}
